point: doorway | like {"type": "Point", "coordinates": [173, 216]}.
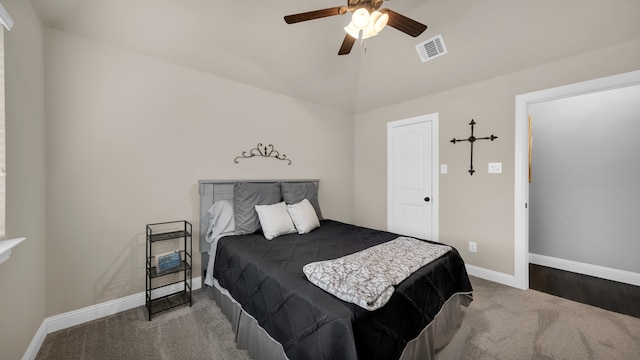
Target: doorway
{"type": "Point", "coordinates": [522, 142]}
{"type": "Point", "coordinates": [412, 177]}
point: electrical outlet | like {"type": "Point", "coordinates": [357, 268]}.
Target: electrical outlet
{"type": "Point", "coordinates": [473, 246]}
{"type": "Point", "coordinates": [495, 168]}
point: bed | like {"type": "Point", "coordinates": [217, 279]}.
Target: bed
{"type": "Point", "coordinates": [278, 313]}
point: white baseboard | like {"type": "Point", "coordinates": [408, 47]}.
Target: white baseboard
{"type": "Point", "coordinates": [491, 275]}
{"type": "Point", "coordinates": [36, 343]}
{"type": "Point", "coordinates": [94, 312]}
{"type": "Point", "coordinates": [622, 276]}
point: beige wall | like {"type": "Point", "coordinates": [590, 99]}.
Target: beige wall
{"type": "Point", "coordinates": [23, 277]}
{"type": "Point", "coordinates": [476, 208]}
{"type": "Point", "coordinates": [128, 137]}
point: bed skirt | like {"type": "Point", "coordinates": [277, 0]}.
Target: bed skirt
{"type": "Point", "coordinates": [260, 345]}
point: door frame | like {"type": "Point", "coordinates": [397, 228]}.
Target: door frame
{"type": "Point", "coordinates": [435, 165]}
{"type": "Point", "coordinates": [521, 195]}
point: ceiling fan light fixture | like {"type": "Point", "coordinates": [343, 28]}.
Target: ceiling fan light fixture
{"type": "Point", "coordinates": [366, 21]}
{"type": "Point", "coordinates": [367, 34]}
{"type": "Point", "coordinates": [352, 30]}
{"type": "Point", "coordinates": [360, 18]}
{"type": "Point", "coordinates": [379, 20]}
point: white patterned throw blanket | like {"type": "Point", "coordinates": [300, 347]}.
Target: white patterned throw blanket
{"type": "Point", "coordinates": [367, 278]}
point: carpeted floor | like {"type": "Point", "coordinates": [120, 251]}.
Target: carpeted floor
{"type": "Point", "coordinates": [501, 323]}
{"type": "Point", "coordinates": [507, 323]}
{"type": "Point", "coordinates": [194, 333]}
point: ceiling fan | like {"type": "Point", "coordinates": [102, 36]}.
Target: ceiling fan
{"type": "Point", "coordinates": [366, 21]}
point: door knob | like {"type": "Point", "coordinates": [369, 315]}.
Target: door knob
{"type": "Point", "coordinates": [427, 199]}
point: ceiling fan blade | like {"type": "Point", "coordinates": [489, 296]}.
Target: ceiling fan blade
{"type": "Point", "coordinates": [347, 44]}
{"type": "Point", "coordinates": [316, 14]}
{"type": "Point", "coordinates": [404, 24]}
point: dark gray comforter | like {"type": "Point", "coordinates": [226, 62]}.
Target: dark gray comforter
{"type": "Point", "coordinates": [266, 278]}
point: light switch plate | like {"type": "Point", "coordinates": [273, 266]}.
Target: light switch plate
{"type": "Point", "coordinates": [495, 168]}
{"type": "Point", "coordinates": [443, 168]}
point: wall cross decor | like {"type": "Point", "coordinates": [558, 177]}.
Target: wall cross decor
{"type": "Point", "coordinates": [471, 139]}
{"type": "Point", "coordinates": [262, 151]}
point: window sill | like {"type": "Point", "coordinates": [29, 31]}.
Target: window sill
{"type": "Point", "coordinates": [6, 246]}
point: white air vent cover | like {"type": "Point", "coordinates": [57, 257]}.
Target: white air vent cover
{"type": "Point", "coordinates": [431, 48]}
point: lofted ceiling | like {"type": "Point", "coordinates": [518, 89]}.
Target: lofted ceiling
{"type": "Point", "coordinates": [249, 42]}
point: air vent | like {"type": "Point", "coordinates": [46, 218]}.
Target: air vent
{"type": "Point", "coordinates": [431, 48]}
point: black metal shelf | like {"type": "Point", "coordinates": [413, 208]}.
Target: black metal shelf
{"type": "Point", "coordinates": [153, 272]}
{"type": "Point", "coordinates": [168, 235]}
{"type": "Point", "coordinates": [156, 288]}
{"type": "Point", "coordinates": [180, 230]}
{"type": "Point", "coordinates": [169, 301]}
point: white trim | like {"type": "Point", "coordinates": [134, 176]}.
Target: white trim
{"type": "Point", "coordinates": [5, 19]}
{"type": "Point", "coordinates": [434, 118]}
{"type": "Point", "coordinates": [603, 272]}
{"type": "Point", "coordinates": [521, 192]}
{"type": "Point", "coordinates": [6, 246]}
{"type": "Point", "coordinates": [521, 195]}
{"type": "Point", "coordinates": [36, 342]}
{"type": "Point", "coordinates": [491, 275]}
{"type": "Point", "coordinates": [94, 312]}
{"type": "Point", "coordinates": [90, 313]}
{"type": "Point", "coordinates": [435, 176]}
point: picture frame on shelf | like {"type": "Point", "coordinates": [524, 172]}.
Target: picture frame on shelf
{"type": "Point", "coordinates": [168, 261]}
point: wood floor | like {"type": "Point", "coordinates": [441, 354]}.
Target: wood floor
{"type": "Point", "coordinates": [606, 294]}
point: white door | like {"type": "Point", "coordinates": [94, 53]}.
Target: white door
{"type": "Point", "coordinates": [412, 188]}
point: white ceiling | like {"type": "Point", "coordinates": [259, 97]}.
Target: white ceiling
{"type": "Point", "coordinates": [248, 41]}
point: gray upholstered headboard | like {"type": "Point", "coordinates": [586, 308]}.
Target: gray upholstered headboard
{"type": "Point", "coordinates": [214, 190]}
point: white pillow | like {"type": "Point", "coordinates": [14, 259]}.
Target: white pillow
{"type": "Point", "coordinates": [275, 220]}
{"type": "Point", "coordinates": [304, 216]}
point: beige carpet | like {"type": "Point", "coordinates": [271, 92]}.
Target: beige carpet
{"type": "Point", "coordinates": [197, 332]}
{"type": "Point", "coordinates": [507, 323]}
{"type": "Point", "coordinates": [501, 323]}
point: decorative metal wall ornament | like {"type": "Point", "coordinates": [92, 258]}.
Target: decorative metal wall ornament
{"type": "Point", "coordinates": [471, 139]}
{"type": "Point", "coordinates": [262, 151]}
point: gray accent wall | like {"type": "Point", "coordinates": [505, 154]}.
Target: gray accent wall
{"type": "Point", "coordinates": [585, 190]}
